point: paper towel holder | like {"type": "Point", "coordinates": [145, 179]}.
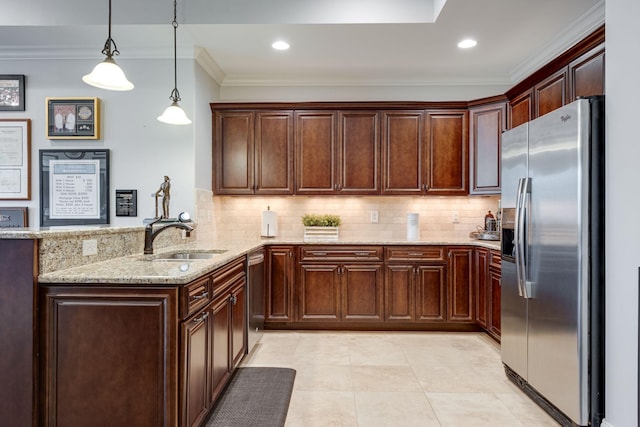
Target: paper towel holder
{"type": "Point", "coordinates": [269, 227]}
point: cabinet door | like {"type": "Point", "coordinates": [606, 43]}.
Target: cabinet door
{"type": "Point", "coordinates": [362, 292]}
{"type": "Point", "coordinates": [233, 152]}
{"type": "Point", "coordinates": [447, 152]}
{"type": "Point", "coordinates": [194, 369]}
{"type": "Point", "coordinates": [481, 279]}
{"type": "Point", "coordinates": [319, 287]}
{"type": "Point", "coordinates": [280, 273]}
{"type": "Point", "coordinates": [315, 147]}
{"type": "Point", "coordinates": [359, 153]}
{"type": "Point", "coordinates": [403, 155]}
{"type": "Point", "coordinates": [92, 333]}
{"type": "Point", "coordinates": [551, 93]}
{"type": "Point", "coordinates": [586, 74]}
{"type": "Point", "coordinates": [220, 342]}
{"type": "Point", "coordinates": [460, 307]}
{"type": "Point", "coordinates": [486, 125]}
{"type": "Point", "coordinates": [431, 293]}
{"type": "Point", "coordinates": [399, 293]}
{"type": "Point", "coordinates": [521, 109]}
{"type": "Point", "coordinates": [274, 152]}
{"type": "Point", "coordinates": [494, 280]}
{"type": "Point", "coordinates": [238, 323]}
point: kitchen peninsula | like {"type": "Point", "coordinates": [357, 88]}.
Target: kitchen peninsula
{"type": "Point", "coordinates": [133, 334]}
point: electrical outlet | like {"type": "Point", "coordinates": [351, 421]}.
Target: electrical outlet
{"type": "Point", "coordinates": [456, 217]}
{"type": "Point", "coordinates": [373, 217]}
{"type": "Point", "coordinates": [89, 247]}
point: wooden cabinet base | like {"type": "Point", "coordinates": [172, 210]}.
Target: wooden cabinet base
{"type": "Point", "coordinates": [371, 326]}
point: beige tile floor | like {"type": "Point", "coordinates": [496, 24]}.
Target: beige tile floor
{"type": "Point", "coordinates": [396, 379]}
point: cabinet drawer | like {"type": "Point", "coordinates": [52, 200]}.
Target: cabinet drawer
{"type": "Point", "coordinates": [495, 261]}
{"type": "Point", "coordinates": [340, 253]}
{"type": "Point", "coordinates": [415, 253]}
{"type": "Point", "coordinates": [227, 275]}
{"type": "Point", "coordinates": [194, 296]}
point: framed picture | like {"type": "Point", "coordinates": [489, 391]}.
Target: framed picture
{"type": "Point", "coordinates": [15, 159]}
{"type": "Point", "coordinates": [74, 187]}
{"type": "Point", "coordinates": [73, 118]}
{"type": "Point", "coordinates": [12, 92]}
{"type": "Point", "coordinates": [13, 218]}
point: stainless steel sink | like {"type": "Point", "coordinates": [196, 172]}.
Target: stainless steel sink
{"type": "Point", "coordinates": [188, 256]}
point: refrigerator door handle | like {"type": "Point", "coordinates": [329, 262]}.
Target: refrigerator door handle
{"type": "Point", "coordinates": [518, 236]}
{"type": "Point", "coordinates": [524, 221]}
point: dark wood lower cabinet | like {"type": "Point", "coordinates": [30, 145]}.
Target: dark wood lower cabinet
{"type": "Point", "coordinates": [18, 332]}
{"type": "Point", "coordinates": [110, 356]}
{"type": "Point", "coordinates": [487, 287]}
{"type": "Point", "coordinates": [140, 355]}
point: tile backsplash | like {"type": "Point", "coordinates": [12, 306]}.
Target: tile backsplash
{"type": "Point", "coordinates": [239, 217]}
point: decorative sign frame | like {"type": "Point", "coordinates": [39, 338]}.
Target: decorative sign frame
{"type": "Point", "coordinates": [13, 217]}
{"type": "Point", "coordinates": [12, 92]}
{"type": "Point", "coordinates": [73, 118]}
{"type": "Point", "coordinates": [15, 159]}
{"type": "Point", "coordinates": [74, 187]}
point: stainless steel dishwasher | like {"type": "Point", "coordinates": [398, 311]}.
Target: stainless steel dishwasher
{"type": "Point", "coordinates": [255, 297]}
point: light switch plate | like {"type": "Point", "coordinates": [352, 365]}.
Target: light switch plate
{"type": "Point", "coordinates": [89, 247]}
{"type": "Point", "coordinates": [373, 217]}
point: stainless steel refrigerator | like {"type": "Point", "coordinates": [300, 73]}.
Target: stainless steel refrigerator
{"type": "Point", "coordinates": [553, 260]}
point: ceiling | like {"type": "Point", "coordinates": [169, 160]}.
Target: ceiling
{"type": "Point", "coordinates": [333, 42]}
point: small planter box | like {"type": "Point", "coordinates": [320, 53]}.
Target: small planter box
{"type": "Point", "coordinates": [323, 234]}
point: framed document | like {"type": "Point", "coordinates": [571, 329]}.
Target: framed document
{"type": "Point", "coordinates": [15, 158]}
{"type": "Point", "coordinates": [74, 187]}
{"type": "Point", "coordinates": [13, 217]}
{"type": "Point", "coordinates": [73, 118]}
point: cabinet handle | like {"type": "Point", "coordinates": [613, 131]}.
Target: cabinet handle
{"type": "Point", "coordinates": [205, 294]}
{"type": "Point", "coordinates": [362, 253]}
{"type": "Point", "coordinates": [201, 318]}
{"type": "Point", "coordinates": [319, 253]}
{"type": "Point", "coordinates": [415, 253]}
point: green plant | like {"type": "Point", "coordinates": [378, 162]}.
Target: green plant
{"type": "Point", "coordinates": [320, 220]}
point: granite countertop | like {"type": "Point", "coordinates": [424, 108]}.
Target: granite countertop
{"type": "Point", "coordinates": [141, 269]}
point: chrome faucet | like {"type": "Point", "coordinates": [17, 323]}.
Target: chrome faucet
{"type": "Point", "coordinates": [150, 234]}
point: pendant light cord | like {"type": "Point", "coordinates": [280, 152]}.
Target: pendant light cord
{"type": "Point", "coordinates": [175, 95]}
{"type": "Point", "coordinates": [107, 45]}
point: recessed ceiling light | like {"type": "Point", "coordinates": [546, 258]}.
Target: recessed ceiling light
{"type": "Point", "coordinates": [280, 45]}
{"type": "Point", "coordinates": [467, 43]}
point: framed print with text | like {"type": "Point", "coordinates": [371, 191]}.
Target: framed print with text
{"type": "Point", "coordinates": [12, 92]}
{"type": "Point", "coordinates": [73, 118]}
{"type": "Point", "coordinates": [15, 158]}
{"type": "Point", "coordinates": [74, 187]}
{"type": "Point", "coordinates": [13, 218]}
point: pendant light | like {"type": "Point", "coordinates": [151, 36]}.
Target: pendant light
{"type": "Point", "coordinates": [174, 114]}
{"type": "Point", "coordinates": [107, 74]}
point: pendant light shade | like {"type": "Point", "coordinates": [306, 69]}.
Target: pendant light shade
{"type": "Point", "coordinates": [174, 114]}
{"type": "Point", "coordinates": [107, 74]}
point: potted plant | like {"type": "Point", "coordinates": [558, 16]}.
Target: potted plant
{"type": "Point", "coordinates": [321, 226]}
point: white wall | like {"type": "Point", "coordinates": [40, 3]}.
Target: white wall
{"type": "Point", "coordinates": [143, 150]}
{"type": "Point", "coordinates": [622, 207]}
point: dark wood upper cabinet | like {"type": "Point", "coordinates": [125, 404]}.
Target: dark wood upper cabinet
{"type": "Point", "coordinates": [586, 74]}
{"type": "Point", "coordinates": [253, 152]}
{"type": "Point", "coordinates": [315, 152]}
{"type": "Point", "coordinates": [359, 152]}
{"type": "Point", "coordinates": [486, 124]}
{"type": "Point", "coordinates": [551, 93]}
{"type": "Point", "coordinates": [274, 152]}
{"type": "Point", "coordinates": [447, 152]}
{"type": "Point", "coordinates": [404, 153]}
{"type": "Point", "coordinates": [233, 152]}
{"type": "Point", "coordinates": [521, 109]}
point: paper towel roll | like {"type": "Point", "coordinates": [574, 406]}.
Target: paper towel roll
{"type": "Point", "coordinates": [269, 223]}
{"type": "Point", "coordinates": [413, 226]}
